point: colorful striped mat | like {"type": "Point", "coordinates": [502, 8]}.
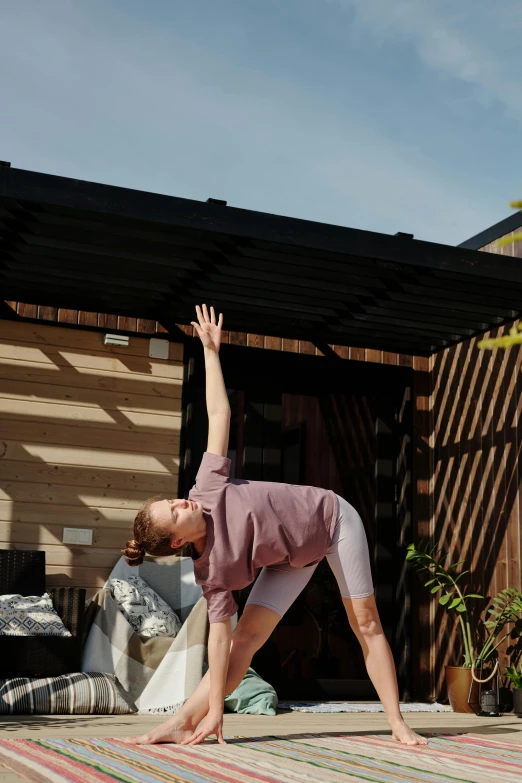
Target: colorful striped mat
{"type": "Point", "coordinates": [325, 757]}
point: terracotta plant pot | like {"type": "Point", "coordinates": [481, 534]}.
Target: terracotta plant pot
{"type": "Point", "coordinates": [458, 681]}
{"type": "Point", "coordinates": [517, 702]}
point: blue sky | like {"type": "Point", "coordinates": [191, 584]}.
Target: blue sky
{"type": "Point", "coordinates": [386, 115]}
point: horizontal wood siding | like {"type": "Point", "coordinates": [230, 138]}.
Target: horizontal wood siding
{"type": "Point", "coordinates": [473, 498]}
{"type": "Point", "coordinates": [87, 433]}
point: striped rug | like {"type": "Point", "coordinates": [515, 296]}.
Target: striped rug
{"type": "Point", "coordinates": [308, 758]}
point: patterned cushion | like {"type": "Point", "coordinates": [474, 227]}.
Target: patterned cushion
{"type": "Point", "coordinates": [31, 615]}
{"type": "Point", "coordinates": [148, 614]}
{"type": "Point", "coordinates": [82, 693]}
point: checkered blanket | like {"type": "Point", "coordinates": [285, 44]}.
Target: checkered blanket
{"type": "Point", "coordinates": [160, 673]}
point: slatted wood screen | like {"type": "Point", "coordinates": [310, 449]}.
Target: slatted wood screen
{"type": "Point", "coordinates": [87, 433]}
{"type": "Point", "coordinates": [471, 504]}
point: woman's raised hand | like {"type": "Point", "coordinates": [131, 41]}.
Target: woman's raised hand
{"type": "Point", "coordinates": [209, 332]}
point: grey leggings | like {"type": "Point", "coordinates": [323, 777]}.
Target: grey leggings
{"type": "Point", "coordinates": [278, 586]}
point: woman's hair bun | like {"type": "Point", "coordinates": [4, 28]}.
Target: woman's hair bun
{"type": "Point", "coordinates": [134, 553]}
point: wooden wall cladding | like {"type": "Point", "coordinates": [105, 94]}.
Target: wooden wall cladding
{"type": "Point", "coordinates": [471, 504]}
{"type": "Point", "coordinates": [87, 433]}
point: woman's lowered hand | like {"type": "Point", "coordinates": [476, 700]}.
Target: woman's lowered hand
{"type": "Point", "coordinates": [211, 724]}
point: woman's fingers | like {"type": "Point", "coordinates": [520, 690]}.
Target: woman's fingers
{"type": "Point", "coordinates": [205, 318]}
{"type": "Point", "coordinates": [206, 321]}
{"type": "Point", "coordinates": [197, 739]}
{"type": "Point", "coordinates": [201, 735]}
{"type": "Point", "coordinates": [200, 315]}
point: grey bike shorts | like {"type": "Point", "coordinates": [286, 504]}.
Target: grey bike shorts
{"type": "Point", "coordinates": [278, 586]}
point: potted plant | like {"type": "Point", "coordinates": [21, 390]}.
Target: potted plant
{"type": "Point", "coordinates": [515, 676]}
{"type": "Point", "coordinates": [504, 609]}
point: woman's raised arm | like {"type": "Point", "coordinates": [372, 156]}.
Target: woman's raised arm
{"type": "Point", "coordinates": [218, 406]}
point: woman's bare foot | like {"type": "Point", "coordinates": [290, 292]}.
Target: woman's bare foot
{"type": "Point", "coordinates": [401, 732]}
{"type": "Point", "coordinates": [173, 731]}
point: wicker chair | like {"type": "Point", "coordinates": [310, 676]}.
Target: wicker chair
{"type": "Point", "coordinates": [23, 572]}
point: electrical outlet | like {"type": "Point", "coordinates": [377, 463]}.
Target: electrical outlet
{"type": "Point", "coordinates": [70, 535]}
{"type": "Point", "coordinates": [75, 535]}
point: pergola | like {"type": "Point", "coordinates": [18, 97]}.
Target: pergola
{"type": "Point", "coordinates": [81, 245]}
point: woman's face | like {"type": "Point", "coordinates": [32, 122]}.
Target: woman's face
{"type": "Point", "coordinates": [180, 519]}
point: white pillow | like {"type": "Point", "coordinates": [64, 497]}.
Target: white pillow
{"type": "Point", "coordinates": [30, 615]}
{"type": "Point", "coordinates": [148, 614]}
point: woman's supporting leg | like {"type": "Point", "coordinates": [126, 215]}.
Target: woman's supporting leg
{"type": "Point", "coordinates": [253, 629]}
{"type": "Point", "coordinates": [349, 560]}
{"type": "Point", "coordinates": [366, 625]}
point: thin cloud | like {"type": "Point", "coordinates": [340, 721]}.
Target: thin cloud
{"type": "Point", "coordinates": [475, 42]}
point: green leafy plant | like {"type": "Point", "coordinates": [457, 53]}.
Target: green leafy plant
{"type": "Point", "coordinates": [506, 341]}
{"type": "Point", "coordinates": [429, 558]}
{"type": "Point", "coordinates": [504, 609]}
{"type": "Point", "coordinates": [515, 675]}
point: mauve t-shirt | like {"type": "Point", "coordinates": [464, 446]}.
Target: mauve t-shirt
{"type": "Point", "coordinates": [251, 524]}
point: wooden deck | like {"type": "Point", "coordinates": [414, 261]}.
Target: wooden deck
{"type": "Point", "coordinates": [507, 728]}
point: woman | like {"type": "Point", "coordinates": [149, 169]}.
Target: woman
{"type": "Point", "coordinates": [234, 528]}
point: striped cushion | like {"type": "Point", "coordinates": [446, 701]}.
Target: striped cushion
{"type": "Point", "coordinates": [82, 693]}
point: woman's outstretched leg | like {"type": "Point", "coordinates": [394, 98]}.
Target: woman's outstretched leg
{"type": "Point", "coordinates": [253, 629]}
{"type": "Point", "coordinates": [365, 623]}
{"type": "Point", "coordinates": [349, 560]}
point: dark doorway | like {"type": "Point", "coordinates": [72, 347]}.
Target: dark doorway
{"type": "Point", "coordinates": [335, 424]}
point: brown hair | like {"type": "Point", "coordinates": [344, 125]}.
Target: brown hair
{"type": "Point", "coordinates": [147, 538]}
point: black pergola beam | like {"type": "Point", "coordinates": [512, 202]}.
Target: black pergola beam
{"type": "Point", "coordinates": [79, 245]}
{"type": "Point", "coordinates": [110, 200]}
